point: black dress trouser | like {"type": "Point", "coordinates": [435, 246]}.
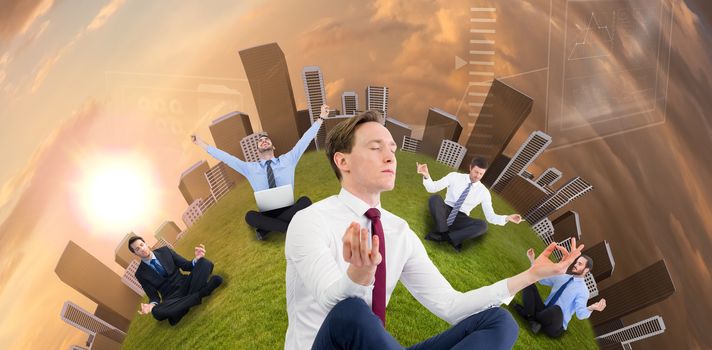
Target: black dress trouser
{"type": "Point", "coordinates": [464, 227]}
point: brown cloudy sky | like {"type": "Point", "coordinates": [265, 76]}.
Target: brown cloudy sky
{"type": "Point", "coordinates": [81, 82]}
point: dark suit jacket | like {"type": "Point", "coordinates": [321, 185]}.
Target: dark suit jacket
{"type": "Point", "coordinates": [153, 283]}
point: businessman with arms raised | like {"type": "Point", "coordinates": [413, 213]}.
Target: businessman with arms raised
{"type": "Point", "coordinates": [338, 284]}
{"type": "Point", "coordinates": [270, 172]}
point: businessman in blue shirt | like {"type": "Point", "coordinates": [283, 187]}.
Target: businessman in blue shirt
{"type": "Point", "coordinates": [569, 295]}
{"type": "Point", "coordinates": [270, 172]}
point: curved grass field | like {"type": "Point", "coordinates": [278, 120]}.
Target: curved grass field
{"type": "Point", "coordinates": [249, 310]}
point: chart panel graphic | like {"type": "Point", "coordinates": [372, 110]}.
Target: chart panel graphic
{"type": "Point", "coordinates": [608, 68]}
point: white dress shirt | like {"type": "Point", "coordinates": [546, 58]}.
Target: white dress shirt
{"type": "Point", "coordinates": [479, 194]}
{"type": "Point", "coordinates": [316, 270]}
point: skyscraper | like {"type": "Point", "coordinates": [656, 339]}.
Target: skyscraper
{"type": "Point", "coordinates": [603, 258]}
{"type": "Point", "coordinates": [266, 69]}
{"type": "Point", "coordinates": [218, 181]}
{"type": "Point", "coordinates": [410, 144]}
{"type": "Point", "coordinates": [316, 96]}
{"type": "Point", "coordinates": [194, 211]}
{"type": "Point", "coordinates": [249, 146]}
{"type": "Point", "coordinates": [129, 278]}
{"type": "Point", "coordinates": [89, 276]}
{"type": "Point", "coordinates": [168, 231]}
{"type": "Point", "coordinates": [567, 225]}
{"type": "Point", "coordinates": [573, 189]}
{"type": "Point", "coordinates": [227, 131]}
{"type": "Point", "coordinates": [439, 126]}
{"type": "Point", "coordinates": [193, 184]}
{"type": "Point", "coordinates": [398, 129]}
{"type": "Point", "coordinates": [644, 288]}
{"type": "Point", "coordinates": [87, 322]}
{"type": "Point", "coordinates": [451, 153]}
{"type": "Point", "coordinates": [638, 331]}
{"type": "Point", "coordinates": [122, 254]}
{"type": "Point", "coordinates": [548, 177]}
{"type": "Point", "coordinates": [523, 194]}
{"type": "Point", "coordinates": [503, 112]}
{"type": "Point", "coordinates": [493, 171]}
{"type": "Point", "coordinates": [377, 98]}
{"type": "Point", "coordinates": [531, 149]}
{"type": "Point", "coordinates": [349, 102]}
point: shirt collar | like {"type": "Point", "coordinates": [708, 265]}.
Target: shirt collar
{"type": "Point", "coordinates": [148, 260]}
{"type": "Point", "coordinates": [354, 203]}
{"type": "Point", "coordinates": [274, 160]}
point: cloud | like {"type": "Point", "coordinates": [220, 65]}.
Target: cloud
{"type": "Point", "coordinates": [104, 14]}
{"type": "Point", "coordinates": [17, 16]}
{"type": "Point", "coordinates": [45, 67]}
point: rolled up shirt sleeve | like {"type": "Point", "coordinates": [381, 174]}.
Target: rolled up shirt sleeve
{"type": "Point", "coordinates": [487, 209]}
{"type": "Point", "coordinates": [432, 290]}
{"type": "Point", "coordinates": [436, 186]}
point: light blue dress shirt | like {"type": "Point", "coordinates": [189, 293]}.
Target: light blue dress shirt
{"type": "Point", "coordinates": [283, 166]}
{"type": "Point", "coordinates": [572, 300]}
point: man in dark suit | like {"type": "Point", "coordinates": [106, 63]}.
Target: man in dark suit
{"type": "Point", "coordinates": [170, 293]}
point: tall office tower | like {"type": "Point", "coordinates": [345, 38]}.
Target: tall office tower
{"type": "Point", "coordinates": [316, 96]}
{"type": "Point", "coordinates": [122, 254]}
{"type": "Point", "coordinates": [193, 212]}
{"type": "Point", "coordinates": [523, 194]}
{"type": "Point", "coordinates": [531, 149]}
{"type": "Point", "coordinates": [227, 131]}
{"type": "Point", "coordinates": [129, 278]}
{"type": "Point", "coordinates": [333, 121]}
{"type": "Point", "coordinates": [377, 98]}
{"type": "Point", "coordinates": [573, 189]}
{"type": "Point", "coordinates": [161, 243]}
{"type": "Point", "coordinates": [267, 72]}
{"type": "Point", "coordinates": [87, 322]}
{"type": "Point", "coordinates": [451, 153]}
{"type": "Point", "coordinates": [218, 181]}
{"type": "Point", "coordinates": [89, 276]}
{"type": "Point", "coordinates": [603, 260]}
{"type": "Point", "coordinates": [410, 144]}
{"type": "Point", "coordinates": [503, 112]}
{"type": "Point", "coordinates": [193, 184]}
{"type": "Point", "coordinates": [567, 225]}
{"type": "Point", "coordinates": [495, 168]}
{"type": "Point", "coordinates": [608, 327]}
{"type": "Point", "coordinates": [644, 288]}
{"type": "Point", "coordinates": [638, 331]}
{"type": "Point", "coordinates": [249, 146]}
{"type": "Point", "coordinates": [77, 347]}
{"type": "Point", "coordinates": [397, 129]}
{"type": "Point", "coordinates": [544, 229]}
{"type": "Point", "coordinates": [349, 102]}
{"type": "Point", "coordinates": [590, 282]}
{"type": "Point", "coordinates": [168, 231]}
{"type": "Point", "coordinates": [548, 177]}
{"type": "Point", "coordinates": [439, 126]}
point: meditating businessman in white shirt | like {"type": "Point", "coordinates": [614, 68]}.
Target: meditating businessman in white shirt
{"type": "Point", "coordinates": [464, 192]}
{"type": "Point", "coordinates": [339, 277]}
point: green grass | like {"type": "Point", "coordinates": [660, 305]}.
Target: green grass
{"type": "Point", "coordinates": [249, 311]}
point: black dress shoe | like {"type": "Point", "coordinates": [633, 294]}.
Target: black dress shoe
{"type": "Point", "coordinates": [261, 234]}
{"type": "Point", "coordinates": [435, 237]}
{"type": "Point", "coordinates": [520, 310]}
{"type": "Point", "coordinates": [535, 326]}
{"type": "Point", "coordinates": [458, 247]}
{"type": "Point", "coordinates": [214, 282]}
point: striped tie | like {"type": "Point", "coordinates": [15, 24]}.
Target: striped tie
{"type": "Point", "coordinates": [270, 175]}
{"type": "Point", "coordinates": [458, 204]}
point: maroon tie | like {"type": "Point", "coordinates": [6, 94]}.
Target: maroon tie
{"type": "Point", "coordinates": [378, 299]}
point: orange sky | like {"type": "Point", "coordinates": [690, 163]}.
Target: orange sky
{"type": "Point", "coordinates": [127, 77]}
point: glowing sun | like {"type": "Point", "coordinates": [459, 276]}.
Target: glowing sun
{"type": "Point", "coordinates": [117, 193]}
